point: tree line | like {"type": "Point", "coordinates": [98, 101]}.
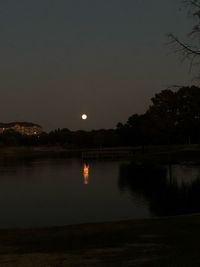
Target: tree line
{"type": "Point", "coordinates": [172, 118]}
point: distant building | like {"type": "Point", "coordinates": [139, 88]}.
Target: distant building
{"type": "Point", "coordinates": [25, 128]}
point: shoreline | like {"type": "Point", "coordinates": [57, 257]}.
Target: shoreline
{"type": "Point", "coordinates": [168, 241]}
{"type": "Point", "coordinates": [166, 154]}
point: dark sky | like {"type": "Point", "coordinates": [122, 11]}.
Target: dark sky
{"type": "Point", "coordinates": [59, 58]}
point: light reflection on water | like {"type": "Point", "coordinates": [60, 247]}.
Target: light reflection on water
{"type": "Point", "coordinates": [54, 192]}
{"type": "Point", "coordinates": [69, 191]}
{"type": "Point", "coordinates": [86, 173]}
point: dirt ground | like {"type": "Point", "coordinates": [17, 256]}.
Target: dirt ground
{"type": "Point", "coordinates": [162, 242]}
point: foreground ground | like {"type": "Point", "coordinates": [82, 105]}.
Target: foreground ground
{"type": "Point", "coordinates": [157, 242]}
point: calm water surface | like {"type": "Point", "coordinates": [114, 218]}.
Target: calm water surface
{"type": "Point", "coordinates": [67, 191]}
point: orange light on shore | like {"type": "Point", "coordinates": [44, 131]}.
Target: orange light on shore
{"type": "Point", "coordinates": [86, 174]}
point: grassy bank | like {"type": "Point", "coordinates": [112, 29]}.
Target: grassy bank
{"type": "Point", "coordinates": [168, 154]}
{"type": "Point", "coordinates": [155, 154]}
{"type": "Point", "coordinates": [156, 242]}
{"type": "Point", "coordinates": [18, 153]}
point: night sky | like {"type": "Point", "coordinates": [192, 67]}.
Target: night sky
{"type": "Point", "coordinates": [103, 57]}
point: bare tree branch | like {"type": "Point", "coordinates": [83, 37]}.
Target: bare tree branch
{"type": "Point", "coordinates": [192, 3]}
{"type": "Point", "coordinates": [185, 47]}
{"type": "Point", "coordinates": [195, 3]}
{"type": "Point", "coordinates": [189, 50]}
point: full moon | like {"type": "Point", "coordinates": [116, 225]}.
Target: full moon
{"type": "Point", "coordinates": [84, 117]}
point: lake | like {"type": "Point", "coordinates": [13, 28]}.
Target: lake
{"type": "Point", "coordinates": [56, 192]}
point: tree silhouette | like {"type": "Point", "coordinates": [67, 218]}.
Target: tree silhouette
{"type": "Point", "coordinates": [189, 49]}
{"type": "Point", "coordinates": [177, 113]}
